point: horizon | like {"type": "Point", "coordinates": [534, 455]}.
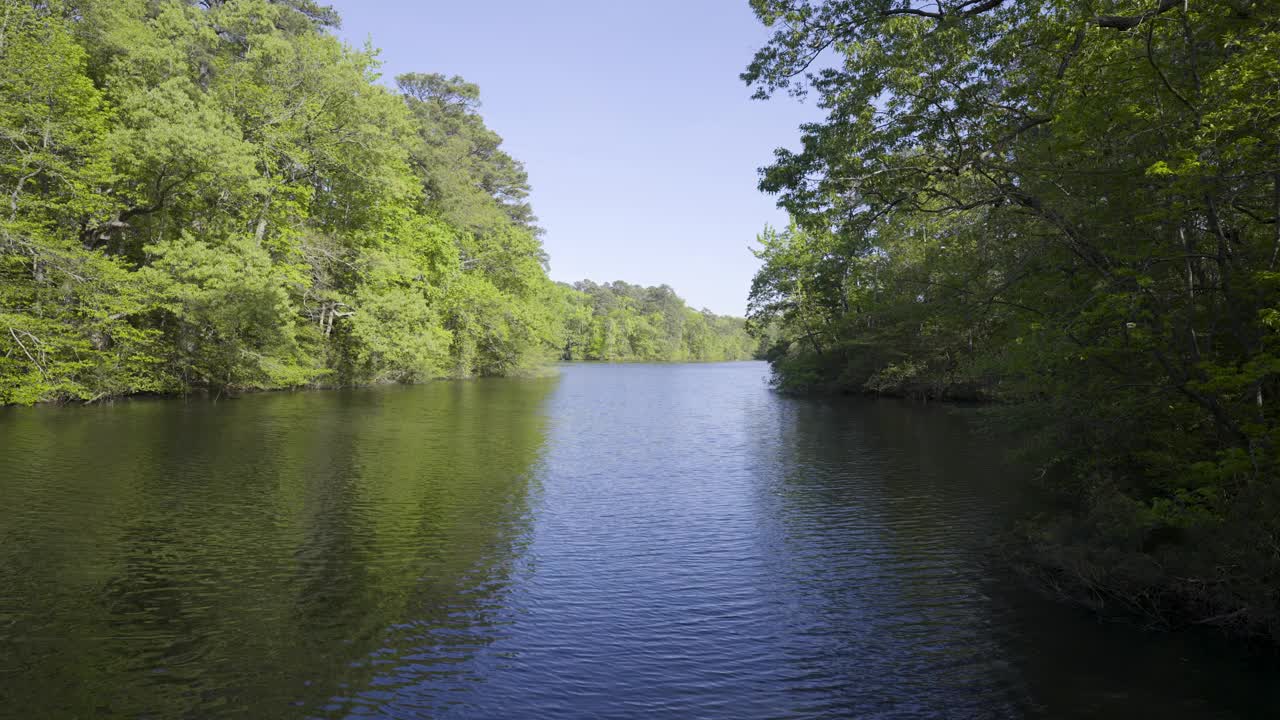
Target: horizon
{"type": "Point", "coordinates": [642, 171]}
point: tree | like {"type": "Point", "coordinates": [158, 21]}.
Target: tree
{"type": "Point", "coordinates": [620, 322]}
{"type": "Point", "coordinates": [64, 330]}
{"type": "Point", "coordinates": [1075, 211]}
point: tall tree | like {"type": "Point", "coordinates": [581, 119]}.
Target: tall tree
{"type": "Point", "coordinates": [1065, 203]}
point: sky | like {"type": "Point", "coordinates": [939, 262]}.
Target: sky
{"type": "Point", "coordinates": [641, 143]}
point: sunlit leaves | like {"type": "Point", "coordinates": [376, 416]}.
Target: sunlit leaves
{"type": "Point", "coordinates": [219, 195]}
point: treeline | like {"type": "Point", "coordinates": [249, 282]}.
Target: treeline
{"type": "Point", "coordinates": [1071, 208]}
{"type": "Point", "coordinates": [618, 322]}
{"type": "Point", "coordinates": [219, 194]}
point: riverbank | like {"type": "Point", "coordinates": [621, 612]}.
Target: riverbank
{"type": "Point", "coordinates": [662, 540]}
{"type": "Point", "coordinates": [1089, 544]}
{"type": "Point", "coordinates": [536, 371]}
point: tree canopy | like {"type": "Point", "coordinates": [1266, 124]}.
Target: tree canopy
{"type": "Point", "coordinates": [620, 322]}
{"type": "Point", "coordinates": [220, 195]}
{"type": "Point", "coordinates": [1071, 207]}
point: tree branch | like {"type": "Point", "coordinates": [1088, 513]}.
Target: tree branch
{"type": "Point", "coordinates": [1129, 22]}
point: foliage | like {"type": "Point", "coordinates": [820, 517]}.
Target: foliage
{"type": "Point", "coordinates": [1068, 206]}
{"type": "Point", "coordinates": [620, 322]}
{"type": "Point", "coordinates": [209, 196]}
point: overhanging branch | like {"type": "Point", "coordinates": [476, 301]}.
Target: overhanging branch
{"type": "Point", "coordinates": [1128, 22]}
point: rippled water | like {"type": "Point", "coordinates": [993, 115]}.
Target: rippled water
{"type": "Point", "coordinates": [617, 541]}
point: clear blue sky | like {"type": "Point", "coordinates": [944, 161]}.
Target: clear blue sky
{"type": "Point", "coordinates": [641, 142]}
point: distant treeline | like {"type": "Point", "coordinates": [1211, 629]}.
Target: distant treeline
{"type": "Point", "coordinates": [220, 195]}
{"type": "Point", "coordinates": [618, 322]}
{"type": "Point", "coordinates": [1072, 208]}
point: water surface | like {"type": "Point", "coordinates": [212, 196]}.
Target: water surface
{"type": "Point", "coordinates": [617, 541]}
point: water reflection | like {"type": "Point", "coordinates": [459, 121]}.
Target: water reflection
{"type": "Point", "coordinates": [893, 514]}
{"type": "Point", "coordinates": [877, 552]}
{"type": "Point", "coordinates": [267, 556]}
{"type": "Point", "coordinates": [636, 541]}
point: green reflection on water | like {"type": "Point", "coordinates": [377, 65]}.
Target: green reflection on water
{"type": "Point", "coordinates": [258, 554]}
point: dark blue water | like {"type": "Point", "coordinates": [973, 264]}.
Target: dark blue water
{"type": "Point", "coordinates": [617, 541]}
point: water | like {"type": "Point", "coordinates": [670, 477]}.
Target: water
{"type": "Point", "coordinates": [617, 541]}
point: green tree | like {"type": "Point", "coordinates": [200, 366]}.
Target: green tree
{"type": "Point", "coordinates": [213, 195]}
{"type": "Point", "coordinates": [620, 322]}
{"type": "Point", "coordinates": [64, 330]}
{"type": "Point", "coordinates": [1071, 208]}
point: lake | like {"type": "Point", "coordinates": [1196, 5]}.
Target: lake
{"type": "Point", "coordinates": [669, 541]}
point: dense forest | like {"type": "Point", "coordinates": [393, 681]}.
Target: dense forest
{"type": "Point", "coordinates": [618, 322]}
{"type": "Point", "coordinates": [1070, 208]}
{"type": "Point", "coordinates": [222, 195]}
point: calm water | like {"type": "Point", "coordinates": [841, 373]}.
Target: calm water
{"type": "Point", "coordinates": [618, 541]}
